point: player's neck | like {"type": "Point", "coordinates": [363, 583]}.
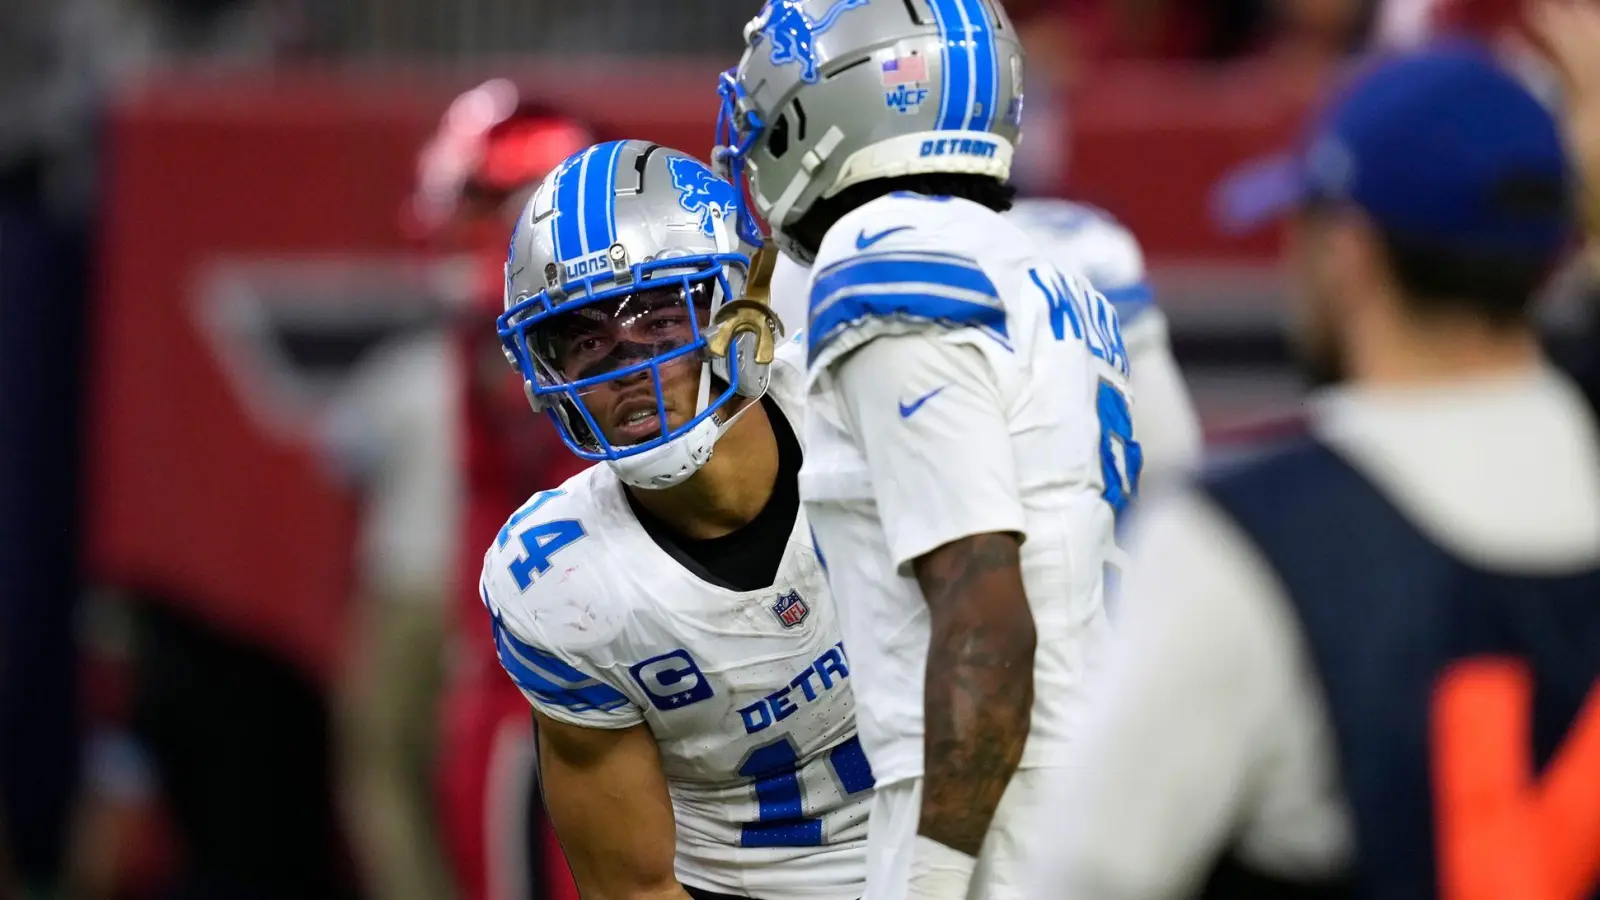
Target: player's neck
{"type": "Point", "coordinates": [732, 487]}
{"type": "Point", "coordinates": [1412, 352]}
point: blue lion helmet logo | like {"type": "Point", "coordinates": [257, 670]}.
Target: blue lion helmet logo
{"type": "Point", "coordinates": [699, 191]}
{"type": "Point", "coordinates": [792, 32]}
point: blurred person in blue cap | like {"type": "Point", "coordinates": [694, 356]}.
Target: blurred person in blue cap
{"type": "Point", "coordinates": [1554, 47]}
{"type": "Point", "coordinates": [1364, 662]}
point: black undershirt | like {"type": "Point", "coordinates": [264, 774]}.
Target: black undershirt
{"type": "Point", "coordinates": [746, 559]}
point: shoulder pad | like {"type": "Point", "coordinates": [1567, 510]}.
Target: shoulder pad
{"type": "Point", "coordinates": [549, 677]}
{"type": "Point", "coordinates": [892, 267]}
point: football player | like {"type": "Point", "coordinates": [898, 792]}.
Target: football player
{"type": "Point", "coordinates": [663, 610]}
{"type": "Point", "coordinates": [1077, 236]}
{"type": "Point", "coordinates": [969, 431]}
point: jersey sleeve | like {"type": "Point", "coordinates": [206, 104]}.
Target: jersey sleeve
{"type": "Point", "coordinates": [930, 417]}
{"type": "Point", "coordinates": [560, 684]}
{"type": "Point", "coordinates": [890, 268]}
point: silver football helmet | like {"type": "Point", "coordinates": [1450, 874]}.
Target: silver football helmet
{"type": "Point", "coordinates": [831, 93]}
{"type": "Point", "coordinates": [622, 269]}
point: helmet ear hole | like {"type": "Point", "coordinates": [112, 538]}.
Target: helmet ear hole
{"type": "Point", "coordinates": [778, 137]}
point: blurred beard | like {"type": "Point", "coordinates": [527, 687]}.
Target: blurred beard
{"type": "Point", "coordinates": [1319, 354]}
{"type": "Point", "coordinates": [1321, 362]}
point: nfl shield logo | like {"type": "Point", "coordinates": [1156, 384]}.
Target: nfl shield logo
{"type": "Point", "coordinates": [790, 609]}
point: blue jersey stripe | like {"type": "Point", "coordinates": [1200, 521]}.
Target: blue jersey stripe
{"type": "Point", "coordinates": [937, 256]}
{"type": "Point", "coordinates": [985, 65]}
{"type": "Point", "coordinates": [547, 662]}
{"type": "Point", "coordinates": [599, 193]}
{"type": "Point", "coordinates": [847, 311]}
{"type": "Point", "coordinates": [567, 226]}
{"type": "Point", "coordinates": [587, 695]}
{"type": "Point", "coordinates": [892, 270]}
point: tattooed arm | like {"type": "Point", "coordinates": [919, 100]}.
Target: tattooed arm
{"type": "Point", "coordinates": [978, 691]}
{"type": "Point", "coordinates": [932, 418]}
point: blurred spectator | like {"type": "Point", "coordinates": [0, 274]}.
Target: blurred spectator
{"type": "Point", "coordinates": [489, 152]}
{"type": "Point", "coordinates": [1354, 586]}
{"type": "Point", "coordinates": [385, 428]}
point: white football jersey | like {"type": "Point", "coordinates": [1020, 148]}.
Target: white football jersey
{"type": "Point", "coordinates": [1077, 236]}
{"type": "Point", "coordinates": [959, 383]}
{"type": "Point", "coordinates": [748, 694]}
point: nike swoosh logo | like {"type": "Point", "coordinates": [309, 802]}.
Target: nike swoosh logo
{"type": "Point", "coordinates": [907, 410]}
{"type": "Point", "coordinates": [864, 240]}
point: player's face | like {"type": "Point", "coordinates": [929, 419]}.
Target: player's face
{"type": "Point", "coordinates": [1315, 329]}
{"type": "Point", "coordinates": [612, 335]}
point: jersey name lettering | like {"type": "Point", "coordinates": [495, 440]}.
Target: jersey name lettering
{"type": "Point", "coordinates": [825, 672]}
{"type": "Point", "coordinates": [1092, 317]}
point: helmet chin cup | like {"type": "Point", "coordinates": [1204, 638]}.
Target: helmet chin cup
{"type": "Point", "coordinates": [671, 463]}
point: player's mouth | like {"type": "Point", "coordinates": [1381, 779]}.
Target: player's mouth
{"type": "Point", "coordinates": [637, 421]}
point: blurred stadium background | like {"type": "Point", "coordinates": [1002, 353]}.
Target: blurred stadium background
{"type": "Point", "coordinates": [226, 394]}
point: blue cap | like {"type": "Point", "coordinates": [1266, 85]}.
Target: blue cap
{"type": "Point", "coordinates": [1440, 145]}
